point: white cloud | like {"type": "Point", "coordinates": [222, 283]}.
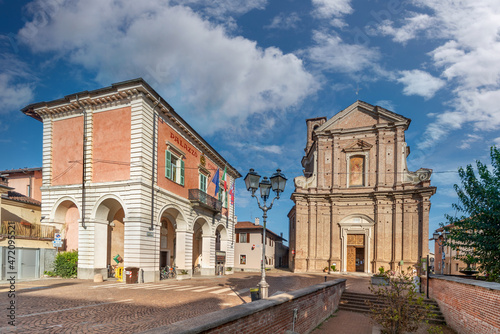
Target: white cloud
{"type": "Point", "coordinates": [332, 54]}
{"type": "Point", "coordinates": [327, 9]}
{"type": "Point", "coordinates": [496, 141]}
{"type": "Point", "coordinates": [389, 105]}
{"type": "Point", "coordinates": [410, 29]}
{"type": "Point", "coordinates": [420, 83]}
{"type": "Point", "coordinates": [470, 139]}
{"type": "Point", "coordinates": [275, 149]}
{"type": "Point", "coordinates": [220, 80]}
{"type": "Point", "coordinates": [468, 33]}
{"type": "Point", "coordinates": [13, 96]}
{"type": "Point", "coordinates": [284, 21]}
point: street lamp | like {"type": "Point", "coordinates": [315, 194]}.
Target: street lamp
{"type": "Point", "coordinates": [436, 236]}
{"type": "Point", "coordinates": [277, 182]}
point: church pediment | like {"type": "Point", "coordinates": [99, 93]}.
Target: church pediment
{"type": "Point", "coordinates": [358, 146]}
{"type": "Point", "coordinates": [362, 115]}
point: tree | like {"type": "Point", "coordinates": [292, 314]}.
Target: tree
{"type": "Point", "coordinates": [475, 232]}
{"type": "Point", "coordinates": [399, 307]}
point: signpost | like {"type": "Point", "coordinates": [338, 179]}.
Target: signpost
{"type": "Point", "coordinates": [57, 242]}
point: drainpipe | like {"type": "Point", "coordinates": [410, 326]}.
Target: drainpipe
{"type": "Point", "coordinates": [84, 160]}
{"type": "Point", "coordinates": [151, 228]}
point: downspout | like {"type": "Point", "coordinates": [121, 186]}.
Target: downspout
{"type": "Point", "coordinates": [84, 160]}
{"type": "Point", "coordinates": [151, 228]}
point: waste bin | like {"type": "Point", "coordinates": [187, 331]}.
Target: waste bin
{"type": "Point", "coordinates": [255, 294]}
{"type": "Point", "coordinates": [131, 275]}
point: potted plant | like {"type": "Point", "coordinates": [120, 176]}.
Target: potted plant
{"type": "Point", "coordinates": [325, 269]}
{"type": "Point", "coordinates": [381, 278]}
{"type": "Point", "coordinates": [469, 271]}
{"type": "Point", "coordinates": [333, 267]}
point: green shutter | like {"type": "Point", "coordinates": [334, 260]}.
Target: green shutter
{"type": "Point", "coordinates": [182, 173]}
{"type": "Point", "coordinates": [168, 165]}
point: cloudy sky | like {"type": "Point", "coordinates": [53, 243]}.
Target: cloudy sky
{"type": "Point", "coordinates": [247, 73]}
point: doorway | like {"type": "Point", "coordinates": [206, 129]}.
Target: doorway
{"type": "Point", "coordinates": [355, 252]}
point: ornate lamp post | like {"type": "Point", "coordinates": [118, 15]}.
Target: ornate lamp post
{"type": "Point", "coordinates": [277, 183]}
{"type": "Point", "coordinates": [436, 236]}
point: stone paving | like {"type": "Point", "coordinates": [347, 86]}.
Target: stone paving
{"type": "Point", "coordinates": [80, 306]}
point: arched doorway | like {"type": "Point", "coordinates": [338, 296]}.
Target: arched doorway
{"type": "Point", "coordinates": [221, 242]}
{"type": "Point", "coordinates": [109, 234]}
{"type": "Point", "coordinates": [67, 214]}
{"type": "Point", "coordinates": [167, 243]}
{"type": "Point", "coordinates": [356, 237]}
{"type": "Point", "coordinates": [201, 247]}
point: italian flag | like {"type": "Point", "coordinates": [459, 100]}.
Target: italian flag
{"type": "Point", "coordinates": [224, 178]}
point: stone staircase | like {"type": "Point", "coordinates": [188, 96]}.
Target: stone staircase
{"type": "Point", "coordinates": [355, 302]}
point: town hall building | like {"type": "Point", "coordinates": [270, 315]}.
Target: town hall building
{"type": "Point", "coordinates": [129, 183]}
{"type": "Point", "coordinates": [358, 207]}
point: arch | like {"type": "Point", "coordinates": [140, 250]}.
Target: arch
{"type": "Point", "coordinates": [66, 213]}
{"type": "Point", "coordinates": [202, 244]}
{"type": "Point", "coordinates": [175, 215]}
{"type": "Point", "coordinates": [357, 224]}
{"type": "Point", "coordinates": [62, 203]}
{"type": "Point", "coordinates": [106, 208]}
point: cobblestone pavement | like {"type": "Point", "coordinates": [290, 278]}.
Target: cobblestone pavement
{"type": "Point", "coordinates": [81, 306]}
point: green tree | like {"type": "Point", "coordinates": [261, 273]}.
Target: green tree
{"type": "Point", "coordinates": [475, 232]}
{"type": "Point", "coordinates": [399, 307]}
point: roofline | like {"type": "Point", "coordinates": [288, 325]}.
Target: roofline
{"type": "Point", "coordinates": [20, 170]}
{"type": "Point", "coordinates": [257, 227]}
{"type": "Point", "coordinates": [29, 109]}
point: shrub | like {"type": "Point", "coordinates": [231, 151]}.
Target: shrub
{"type": "Point", "coordinates": [399, 307]}
{"type": "Point", "coordinates": [66, 264]}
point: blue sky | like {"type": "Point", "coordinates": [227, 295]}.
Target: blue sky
{"type": "Point", "coordinates": [246, 74]}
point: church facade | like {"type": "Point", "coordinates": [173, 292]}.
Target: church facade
{"type": "Point", "coordinates": [357, 207]}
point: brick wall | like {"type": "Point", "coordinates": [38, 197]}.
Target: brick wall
{"type": "Point", "coordinates": [469, 306]}
{"type": "Point", "coordinates": [272, 315]}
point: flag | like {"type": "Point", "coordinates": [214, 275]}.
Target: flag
{"type": "Point", "coordinates": [224, 178]}
{"type": "Point", "coordinates": [215, 180]}
{"type": "Point", "coordinates": [231, 192]}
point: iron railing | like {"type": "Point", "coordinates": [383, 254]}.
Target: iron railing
{"type": "Point", "coordinates": [198, 197]}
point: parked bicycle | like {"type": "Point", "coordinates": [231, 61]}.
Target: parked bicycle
{"type": "Point", "coordinates": [164, 273]}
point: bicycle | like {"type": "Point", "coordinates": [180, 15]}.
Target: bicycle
{"type": "Point", "coordinates": [172, 272]}
{"type": "Point", "coordinates": [164, 273]}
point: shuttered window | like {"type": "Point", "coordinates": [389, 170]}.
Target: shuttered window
{"type": "Point", "coordinates": [174, 168]}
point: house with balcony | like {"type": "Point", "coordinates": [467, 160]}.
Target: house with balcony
{"type": "Point", "coordinates": [128, 182]}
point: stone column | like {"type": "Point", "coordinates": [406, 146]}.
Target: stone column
{"type": "Point", "coordinates": [208, 255]}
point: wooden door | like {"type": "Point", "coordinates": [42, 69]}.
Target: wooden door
{"type": "Point", "coordinates": [351, 258]}
{"type": "Point", "coordinates": [360, 259]}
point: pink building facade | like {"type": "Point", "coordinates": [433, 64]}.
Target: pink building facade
{"type": "Point", "coordinates": [124, 174]}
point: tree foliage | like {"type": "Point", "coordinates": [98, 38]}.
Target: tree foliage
{"type": "Point", "coordinates": [475, 232]}
{"type": "Point", "coordinates": [399, 307]}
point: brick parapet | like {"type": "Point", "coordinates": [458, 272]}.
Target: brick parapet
{"type": "Point", "coordinates": [272, 315]}
{"type": "Point", "coordinates": [469, 306]}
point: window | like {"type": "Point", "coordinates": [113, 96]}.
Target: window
{"type": "Point", "coordinates": [174, 168]}
{"type": "Point", "coordinates": [243, 238]}
{"type": "Point", "coordinates": [203, 183]}
{"type": "Point", "coordinates": [243, 259]}
{"type": "Point", "coordinates": [356, 171]}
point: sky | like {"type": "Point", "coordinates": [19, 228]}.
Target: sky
{"type": "Point", "coordinates": [246, 74]}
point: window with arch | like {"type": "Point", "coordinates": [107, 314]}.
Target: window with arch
{"type": "Point", "coordinates": [357, 171]}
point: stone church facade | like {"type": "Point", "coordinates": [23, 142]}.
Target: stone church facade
{"type": "Point", "coordinates": [357, 206]}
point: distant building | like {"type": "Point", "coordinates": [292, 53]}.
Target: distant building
{"type": "Point", "coordinates": [20, 215]}
{"type": "Point", "coordinates": [249, 243]}
{"type": "Point", "coordinates": [358, 207]}
{"type": "Point", "coordinates": [125, 177]}
{"type": "Point", "coordinates": [446, 261]}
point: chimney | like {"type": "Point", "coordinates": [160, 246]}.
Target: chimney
{"type": "Point", "coordinates": [257, 221]}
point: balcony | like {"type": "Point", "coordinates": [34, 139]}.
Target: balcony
{"type": "Point", "coordinates": [202, 199]}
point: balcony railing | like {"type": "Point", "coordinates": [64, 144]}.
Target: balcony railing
{"type": "Point", "coordinates": [26, 230]}
{"type": "Point", "coordinates": [201, 198]}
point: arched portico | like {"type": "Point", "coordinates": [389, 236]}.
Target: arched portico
{"type": "Point", "coordinates": [108, 216]}
{"type": "Point", "coordinates": [66, 215]}
{"type": "Point", "coordinates": [173, 233]}
{"type": "Point", "coordinates": [202, 245]}
{"type": "Point", "coordinates": [221, 249]}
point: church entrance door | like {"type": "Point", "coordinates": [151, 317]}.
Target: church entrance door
{"type": "Point", "coordinates": [355, 252]}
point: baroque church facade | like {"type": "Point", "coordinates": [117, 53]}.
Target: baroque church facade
{"type": "Point", "coordinates": [357, 207]}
